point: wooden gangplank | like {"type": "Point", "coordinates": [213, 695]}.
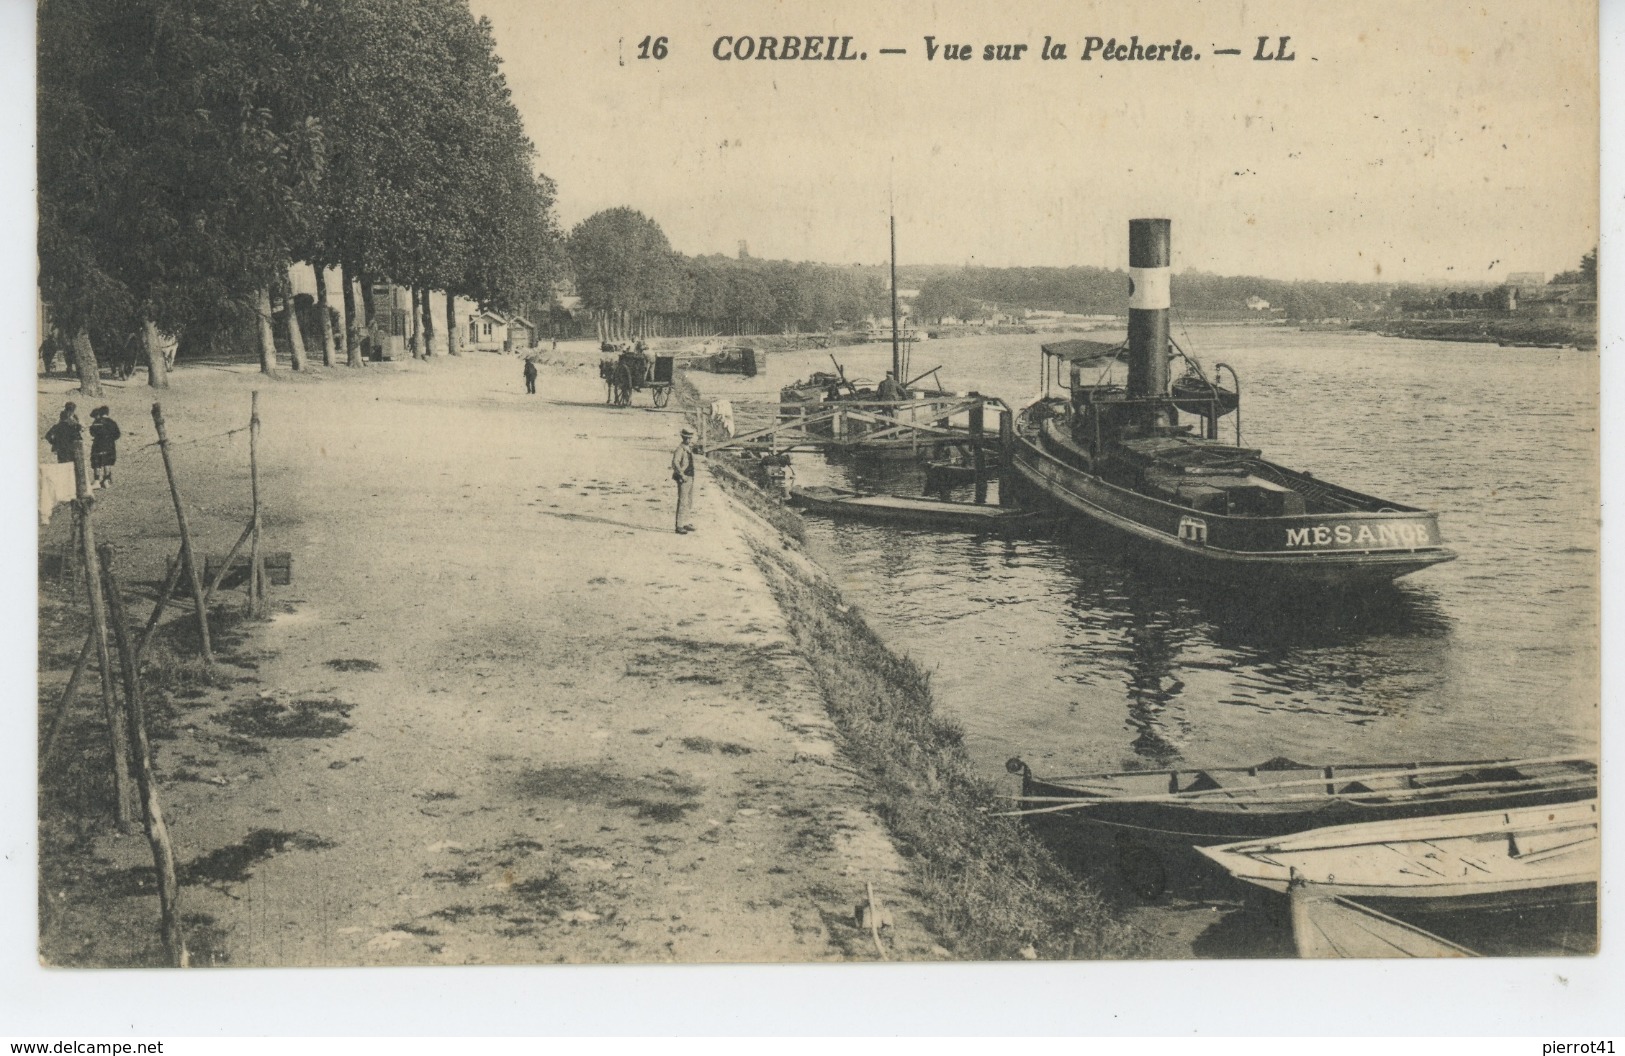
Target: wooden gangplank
{"type": "Point", "coordinates": [858, 424]}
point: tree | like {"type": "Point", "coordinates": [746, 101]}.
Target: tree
{"type": "Point", "coordinates": [624, 265]}
{"type": "Point", "coordinates": [176, 158]}
{"type": "Point", "coordinates": [1586, 273]}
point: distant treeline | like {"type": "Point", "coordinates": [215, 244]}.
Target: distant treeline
{"type": "Point", "coordinates": [632, 283]}
{"type": "Point", "coordinates": [975, 292]}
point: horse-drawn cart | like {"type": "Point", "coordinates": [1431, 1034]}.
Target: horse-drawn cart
{"type": "Point", "coordinates": [634, 371]}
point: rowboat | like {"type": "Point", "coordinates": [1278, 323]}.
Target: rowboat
{"type": "Point", "coordinates": [1325, 927]}
{"type": "Point", "coordinates": [1279, 797]}
{"type": "Point", "coordinates": [732, 359]}
{"type": "Point", "coordinates": [1195, 394]}
{"type": "Point", "coordinates": [1484, 859]}
{"type": "Point", "coordinates": [905, 509]}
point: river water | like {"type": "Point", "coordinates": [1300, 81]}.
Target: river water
{"type": "Point", "coordinates": [1064, 650]}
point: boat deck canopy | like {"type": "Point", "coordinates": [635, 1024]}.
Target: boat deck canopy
{"type": "Point", "coordinates": [1079, 350]}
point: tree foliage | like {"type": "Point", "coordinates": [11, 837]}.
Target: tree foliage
{"type": "Point", "coordinates": [624, 263]}
{"type": "Point", "coordinates": [189, 149]}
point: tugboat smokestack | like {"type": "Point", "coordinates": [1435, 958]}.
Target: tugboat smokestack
{"type": "Point", "coordinates": [1149, 268]}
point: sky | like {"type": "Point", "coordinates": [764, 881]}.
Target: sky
{"type": "Point", "coordinates": [1407, 141]}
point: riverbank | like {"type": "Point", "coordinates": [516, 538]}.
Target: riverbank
{"type": "Point", "coordinates": [1516, 332]}
{"type": "Point", "coordinates": [503, 714]}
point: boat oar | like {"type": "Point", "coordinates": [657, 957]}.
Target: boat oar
{"type": "Point", "coordinates": [922, 377]}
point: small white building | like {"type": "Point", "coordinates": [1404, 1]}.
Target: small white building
{"type": "Point", "coordinates": [490, 331]}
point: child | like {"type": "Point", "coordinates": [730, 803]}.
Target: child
{"type": "Point", "coordinates": [104, 434]}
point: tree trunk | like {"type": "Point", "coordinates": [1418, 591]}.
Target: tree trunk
{"type": "Point", "coordinates": [267, 339]}
{"type": "Point", "coordinates": [157, 369]}
{"type": "Point", "coordinates": [369, 318]}
{"type": "Point", "coordinates": [427, 299]}
{"type": "Point", "coordinates": [84, 360]}
{"type": "Point", "coordinates": [326, 320]}
{"type": "Point", "coordinates": [414, 334]}
{"type": "Point", "coordinates": [451, 325]}
{"type": "Point", "coordinates": [352, 322]}
{"type": "Point", "coordinates": [296, 337]}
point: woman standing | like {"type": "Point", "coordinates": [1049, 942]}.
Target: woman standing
{"type": "Point", "coordinates": [104, 434]}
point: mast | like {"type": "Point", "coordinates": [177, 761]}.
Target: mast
{"type": "Point", "coordinates": [896, 350]}
{"type": "Point", "coordinates": [1149, 268]}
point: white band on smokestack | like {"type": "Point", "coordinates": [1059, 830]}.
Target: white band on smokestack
{"type": "Point", "coordinates": [1148, 288]}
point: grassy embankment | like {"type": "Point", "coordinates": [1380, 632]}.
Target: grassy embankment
{"type": "Point", "coordinates": [994, 891]}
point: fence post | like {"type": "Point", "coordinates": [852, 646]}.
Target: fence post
{"type": "Point", "coordinates": [188, 554]}
{"type": "Point", "coordinates": [256, 570]}
{"type": "Point", "coordinates": [152, 814]}
{"type": "Point", "coordinates": [123, 807]}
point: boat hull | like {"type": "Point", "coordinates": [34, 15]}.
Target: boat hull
{"type": "Point", "coordinates": [1489, 859]}
{"type": "Point", "coordinates": [1307, 550]}
{"type": "Point", "coordinates": [907, 510]}
{"type": "Point", "coordinates": [1264, 802]}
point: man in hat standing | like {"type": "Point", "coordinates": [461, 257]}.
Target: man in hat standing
{"type": "Point", "coordinates": [892, 392]}
{"type": "Point", "coordinates": [682, 474]}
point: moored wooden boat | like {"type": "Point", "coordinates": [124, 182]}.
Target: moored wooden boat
{"type": "Point", "coordinates": [1331, 927]}
{"type": "Point", "coordinates": [1484, 859]}
{"type": "Point", "coordinates": [1200, 806]}
{"type": "Point", "coordinates": [733, 359]}
{"type": "Point", "coordinates": [906, 509]}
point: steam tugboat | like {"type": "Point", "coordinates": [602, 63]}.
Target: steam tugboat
{"type": "Point", "coordinates": [1117, 455]}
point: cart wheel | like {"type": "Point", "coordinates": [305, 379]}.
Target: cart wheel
{"type": "Point", "coordinates": [623, 386]}
{"type": "Point", "coordinates": [1142, 869]}
{"type": "Point", "coordinates": [662, 395]}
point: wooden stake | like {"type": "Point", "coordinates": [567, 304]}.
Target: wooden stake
{"type": "Point", "coordinates": [65, 703]}
{"type": "Point", "coordinates": [225, 566]}
{"type": "Point", "coordinates": [170, 579]}
{"type": "Point", "coordinates": [256, 570]}
{"type": "Point", "coordinates": [123, 797]}
{"type": "Point", "coordinates": [978, 456]}
{"type": "Point", "coordinates": [194, 571]}
{"type": "Point", "coordinates": [163, 854]}
{"type": "Point", "coordinates": [1007, 459]}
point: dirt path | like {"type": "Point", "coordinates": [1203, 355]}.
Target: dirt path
{"type": "Point", "coordinates": [503, 713]}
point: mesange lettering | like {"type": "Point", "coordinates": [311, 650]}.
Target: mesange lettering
{"type": "Point", "coordinates": [1376, 536]}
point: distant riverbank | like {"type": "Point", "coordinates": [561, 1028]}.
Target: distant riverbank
{"type": "Point", "coordinates": [1536, 332]}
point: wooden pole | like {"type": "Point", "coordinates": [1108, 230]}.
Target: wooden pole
{"type": "Point", "coordinates": [256, 570]}
{"type": "Point", "coordinates": [978, 455]}
{"type": "Point", "coordinates": [1007, 459]}
{"type": "Point", "coordinates": [65, 702]}
{"type": "Point", "coordinates": [170, 579]}
{"type": "Point", "coordinates": [163, 854]}
{"type": "Point", "coordinates": [123, 805]}
{"type": "Point", "coordinates": [225, 566]}
{"type": "Point", "coordinates": [194, 571]}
